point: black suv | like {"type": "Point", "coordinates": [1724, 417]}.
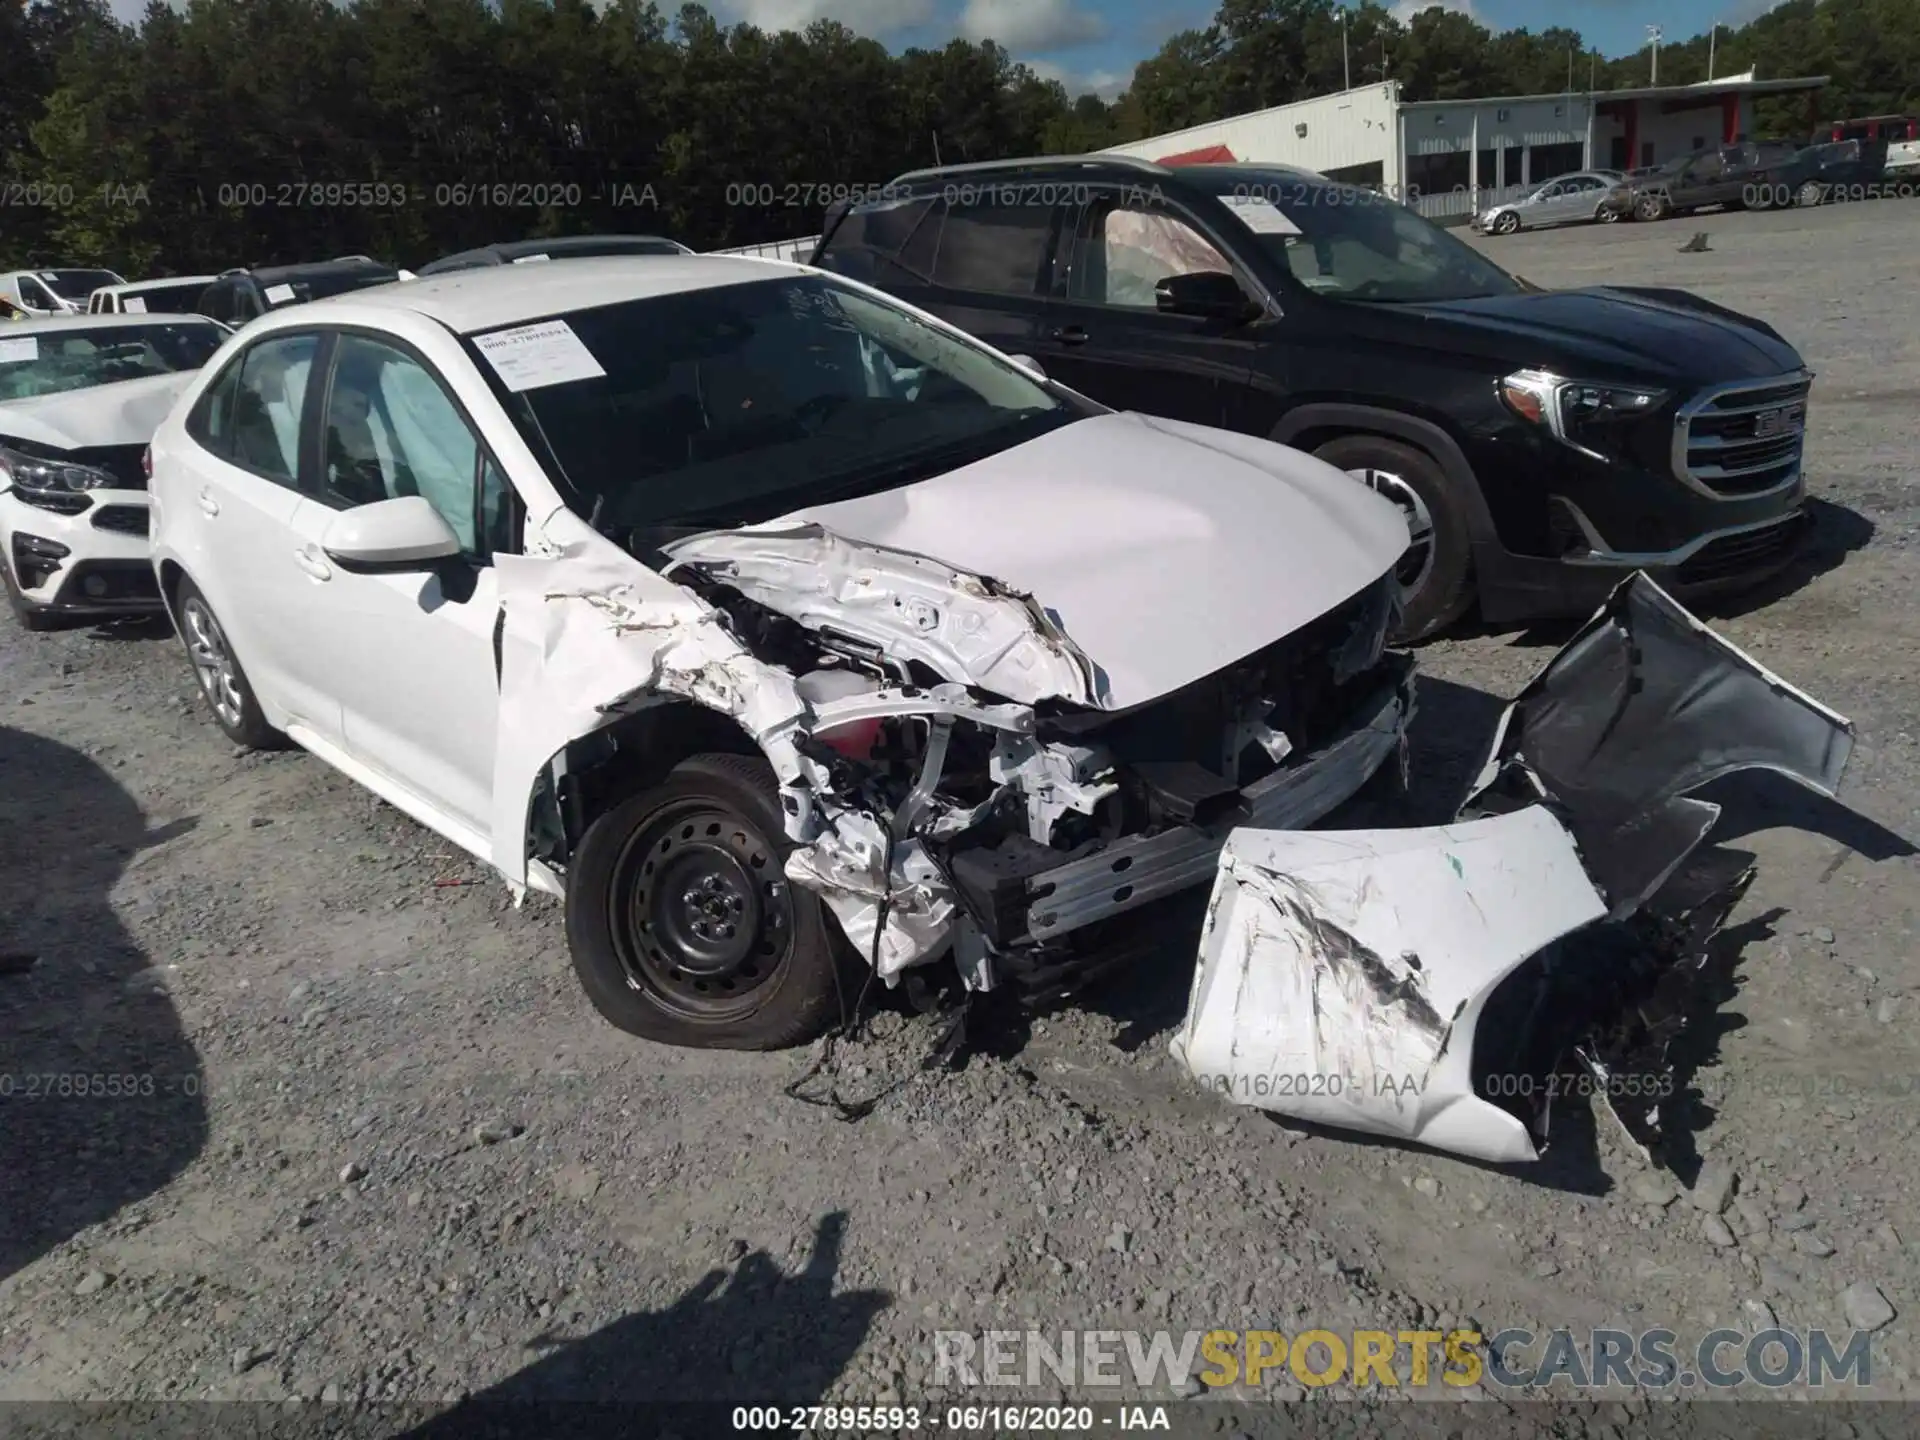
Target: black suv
{"type": "Point", "coordinates": [1543, 444]}
{"type": "Point", "coordinates": [569, 247]}
{"type": "Point", "coordinates": [242, 295]}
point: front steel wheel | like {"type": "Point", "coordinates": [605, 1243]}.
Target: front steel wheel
{"type": "Point", "coordinates": [681, 921]}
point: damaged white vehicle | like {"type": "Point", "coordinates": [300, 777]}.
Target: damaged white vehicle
{"type": "Point", "coordinates": [80, 397]}
{"type": "Point", "coordinates": [784, 631]}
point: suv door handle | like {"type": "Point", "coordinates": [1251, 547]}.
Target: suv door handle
{"type": "Point", "coordinates": [310, 560]}
{"type": "Point", "coordinates": [207, 503]}
{"type": "Point", "coordinates": [1069, 335]}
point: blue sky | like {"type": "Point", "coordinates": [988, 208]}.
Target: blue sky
{"type": "Point", "coordinates": [1094, 44]}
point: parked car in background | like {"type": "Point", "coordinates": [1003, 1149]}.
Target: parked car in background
{"type": "Point", "coordinates": [1567, 200]}
{"type": "Point", "coordinates": [54, 292]}
{"type": "Point", "coordinates": [176, 295]}
{"type": "Point", "coordinates": [1844, 170]}
{"type": "Point", "coordinates": [797, 641]}
{"type": "Point", "coordinates": [1542, 444]}
{"type": "Point", "coordinates": [79, 399]}
{"type": "Point", "coordinates": [570, 247]}
{"type": "Point", "coordinates": [1753, 175]}
{"type": "Point", "coordinates": [238, 296]}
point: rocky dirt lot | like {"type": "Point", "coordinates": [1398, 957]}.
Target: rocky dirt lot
{"type": "Point", "coordinates": [380, 1148]}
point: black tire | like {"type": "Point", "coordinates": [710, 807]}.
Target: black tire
{"type": "Point", "coordinates": [1651, 207]}
{"type": "Point", "coordinates": [770, 979]}
{"type": "Point", "coordinates": [1444, 591]}
{"type": "Point", "coordinates": [31, 617]}
{"type": "Point", "coordinates": [223, 682]}
{"type": "Point", "coordinates": [1506, 224]}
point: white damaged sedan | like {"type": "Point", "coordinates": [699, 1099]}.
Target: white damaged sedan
{"type": "Point", "coordinates": [790, 635]}
{"type": "Point", "coordinates": [80, 397]}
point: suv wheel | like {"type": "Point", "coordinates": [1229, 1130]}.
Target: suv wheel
{"type": "Point", "coordinates": [228, 693]}
{"type": "Point", "coordinates": [1651, 207]}
{"type": "Point", "coordinates": [682, 923]}
{"type": "Point", "coordinates": [1810, 194]}
{"type": "Point", "coordinates": [1436, 573]}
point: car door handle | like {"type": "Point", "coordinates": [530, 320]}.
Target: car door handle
{"type": "Point", "coordinates": [313, 562]}
{"type": "Point", "coordinates": [1070, 335]}
{"type": "Point", "coordinates": [208, 503]}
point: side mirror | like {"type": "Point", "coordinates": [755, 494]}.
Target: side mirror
{"type": "Point", "coordinates": [1028, 363]}
{"type": "Point", "coordinates": [406, 533]}
{"type": "Point", "coordinates": [1206, 294]}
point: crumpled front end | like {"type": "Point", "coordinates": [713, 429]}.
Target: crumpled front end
{"type": "Point", "coordinates": [954, 777]}
{"type": "Point", "coordinates": [1442, 986]}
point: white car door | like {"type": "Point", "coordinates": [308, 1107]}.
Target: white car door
{"type": "Point", "coordinates": [239, 526]}
{"type": "Point", "coordinates": [410, 653]}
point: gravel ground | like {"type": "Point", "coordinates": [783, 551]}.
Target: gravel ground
{"type": "Point", "coordinates": [381, 1148]}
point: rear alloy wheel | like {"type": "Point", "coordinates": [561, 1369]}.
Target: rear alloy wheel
{"type": "Point", "coordinates": [1506, 224]}
{"type": "Point", "coordinates": [1607, 215]}
{"type": "Point", "coordinates": [682, 923]}
{"type": "Point", "coordinates": [1650, 207]}
{"type": "Point", "coordinates": [1436, 571]}
{"type": "Point", "coordinates": [1810, 194]}
{"type": "Point", "coordinates": [222, 681]}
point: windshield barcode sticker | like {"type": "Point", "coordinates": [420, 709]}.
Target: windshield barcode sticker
{"type": "Point", "coordinates": [23, 347]}
{"type": "Point", "coordinates": [279, 294]}
{"type": "Point", "coordinates": [528, 357]}
{"type": "Point", "coordinates": [133, 304]}
{"type": "Point", "coordinates": [1260, 215]}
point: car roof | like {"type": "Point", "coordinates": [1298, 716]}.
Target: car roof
{"type": "Point", "coordinates": [507, 251]}
{"type": "Point", "coordinates": [275, 274]}
{"type": "Point", "coordinates": [106, 321]}
{"type": "Point", "coordinates": [485, 298]}
{"type": "Point", "coordinates": [133, 287]}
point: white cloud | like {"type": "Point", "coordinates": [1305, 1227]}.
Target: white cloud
{"type": "Point", "coordinates": [1031, 24]}
{"type": "Point", "coordinates": [1104, 83]}
{"type": "Point", "coordinates": [875, 18]}
{"type": "Point", "coordinates": [1405, 10]}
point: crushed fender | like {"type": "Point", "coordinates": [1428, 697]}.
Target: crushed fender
{"type": "Point", "coordinates": [1442, 986]}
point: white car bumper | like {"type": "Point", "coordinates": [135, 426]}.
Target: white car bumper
{"type": "Point", "coordinates": [96, 562]}
{"type": "Point", "coordinates": [1343, 975]}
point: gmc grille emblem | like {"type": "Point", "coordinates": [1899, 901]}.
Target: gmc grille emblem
{"type": "Point", "coordinates": [1780, 421]}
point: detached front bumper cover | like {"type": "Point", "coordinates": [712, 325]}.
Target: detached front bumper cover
{"type": "Point", "coordinates": [1343, 975]}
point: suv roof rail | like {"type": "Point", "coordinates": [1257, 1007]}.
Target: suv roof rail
{"type": "Point", "coordinates": [1130, 162]}
{"type": "Point", "coordinates": [341, 259]}
{"type": "Point", "coordinates": [231, 270]}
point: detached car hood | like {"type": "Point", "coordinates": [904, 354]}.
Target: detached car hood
{"type": "Point", "coordinates": [126, 412]}
{"type": "Point", "coordinates": [1150, 554]}
{"type": "Point", "coordinates": [1659, 332]}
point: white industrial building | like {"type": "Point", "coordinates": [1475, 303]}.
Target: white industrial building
{"type": "Point", "coordinates": [1449, 157]}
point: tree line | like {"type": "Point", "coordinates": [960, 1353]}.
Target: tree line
{"type": "Point", "coordinates": [257, 131]}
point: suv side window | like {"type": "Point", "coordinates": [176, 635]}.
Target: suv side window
{"type": "Point", "coordinates": [210, 422]}
{"type": "Point", "coordinates": [995, 248]}
{"type": "Point", "coordinates": [392, 429]}
{"type": "Point", "coordinates": [1122, 253]}
{"type": "Point", "coordinates": [268, 402]}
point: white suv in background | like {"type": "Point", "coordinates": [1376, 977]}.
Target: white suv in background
{"type": "Point", "coordinates": [80, 396]}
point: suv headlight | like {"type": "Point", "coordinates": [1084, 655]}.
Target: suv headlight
{"type": "Point", "coordinates": [37, 480]}
{"type": "Point", "coordinates": [1585, 415]}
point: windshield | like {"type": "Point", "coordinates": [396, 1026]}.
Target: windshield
{"type": "Point", "coordinates": [1348, 243]}
{"type": "Point", "coordinates": [740, 403]}
{"type": "Point", "coordinates": [44, 363]}
{"type": "Point", "coordinates": [319, 287]}
{"type": "Point", "coordinates": [77, 285]}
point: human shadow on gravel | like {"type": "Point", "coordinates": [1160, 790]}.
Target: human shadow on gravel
{"type": "Point", "coordinates": [759, 1336]}
{"type": "Point", "coordinates": [101, 1093]}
